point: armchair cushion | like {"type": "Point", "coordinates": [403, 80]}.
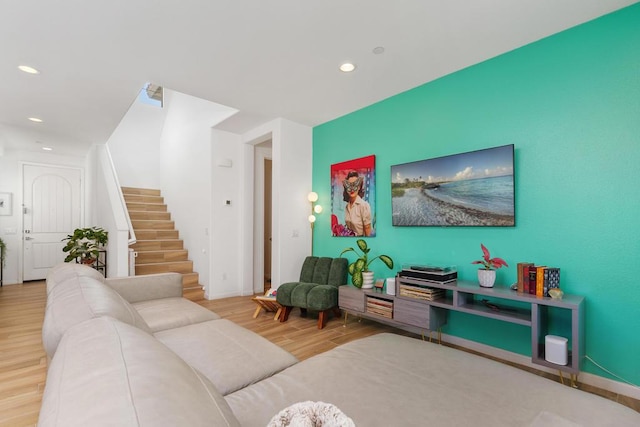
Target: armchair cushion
{"type": "Point", "coordinates": [300, 292]}
{"type": "Point", "coordinates": [322, 297]}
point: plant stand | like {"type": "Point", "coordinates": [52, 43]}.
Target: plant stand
{"type": "Point", "coordinates": [100, 264]}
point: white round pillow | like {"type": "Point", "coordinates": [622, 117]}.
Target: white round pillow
{"type": "Point", "coordinates": [311, 414]}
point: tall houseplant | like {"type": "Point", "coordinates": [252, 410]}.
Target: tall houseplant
{"type": "Point", "coordinates": [85, 244]}
{"type": "Point", "coordinates": [361, 264]}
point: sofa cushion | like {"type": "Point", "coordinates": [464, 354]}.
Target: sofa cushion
{"type": "Point", "coordinates": [108, 373]}
{"type": "Point", "coordinates": [65, 271]}
{"type": "Point", "coordinates": [81, 298]}
{"type": "Point", "coordinates": [147, 286]}
{"type": "Point", "coordinates": [168, 313]}
{"type": "Point", "coordinates": [391, 380]}
{"type": "Point", "coordinates": [230, 356]}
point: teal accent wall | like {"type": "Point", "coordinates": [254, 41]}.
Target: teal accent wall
{"type": "Point", "coordinates": [571, 105]}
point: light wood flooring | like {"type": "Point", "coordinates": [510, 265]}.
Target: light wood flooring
{"type": "Point", "coordinates": [23, 360]}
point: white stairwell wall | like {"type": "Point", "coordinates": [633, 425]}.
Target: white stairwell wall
{"type": "Point", "coordinates": [170, 149]}
{"type": "Point", "coordinates": [177, 151]}
{"type": "Point", "coordinates": [186, 180]}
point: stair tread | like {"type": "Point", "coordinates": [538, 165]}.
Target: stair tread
{"type": "Point", "coordinates": [163, 262]}
{"type": "Point", "coordinates": [162, 250]}
{"type": "Point", "coordinates": [159, 239]}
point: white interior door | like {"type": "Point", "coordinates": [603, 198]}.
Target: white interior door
{"type": "Point", "coordinates": [52, 200]}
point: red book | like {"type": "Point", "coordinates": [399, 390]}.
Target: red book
{"type": "Point", "coordinates": [532, 280]}
{"type": "Point", "coordinates": [525, 277]}
{"type": "Point", "coordinates": [522, 275]}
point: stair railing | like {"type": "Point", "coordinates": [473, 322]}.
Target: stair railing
{"type": "Point", "coordinates": [123, 203]}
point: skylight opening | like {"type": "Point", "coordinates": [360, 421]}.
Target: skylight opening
{"type": "Point", "coordinates": [152, 94]}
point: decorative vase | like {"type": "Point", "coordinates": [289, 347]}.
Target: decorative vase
{"type": "Point", "coordinates": [486, 278]}
{"type": "Point", "coordinates": [367, 279]}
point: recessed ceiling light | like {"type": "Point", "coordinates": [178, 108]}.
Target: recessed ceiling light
{"type": "Point", "coordinates": [35, 119]}
{"type": "Point", "coordinates": [347, 67]}
{"type": "Point", "coordinates": [27, 69]}
{"type": "Point", "coordinates": [378, 50]}
{"type": "Point", "coordinates": [47, 148]}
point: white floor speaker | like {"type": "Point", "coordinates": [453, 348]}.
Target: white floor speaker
{"type": "Point", "coordinates": [555, 349]}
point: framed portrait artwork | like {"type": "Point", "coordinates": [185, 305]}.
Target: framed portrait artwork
{"type": "Point", "coordinates": [5, 204]}
{"type": "Point", "coordinates": [353, 192]}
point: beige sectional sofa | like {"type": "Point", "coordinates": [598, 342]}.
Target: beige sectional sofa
{"type": "Point", "coordinates": [132, 352]}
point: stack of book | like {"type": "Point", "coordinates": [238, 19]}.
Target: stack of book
{"type": "Point", "coordinates": [537, 280]}
{"type": "Point", "coordinates": [421, 292]}
{"type": "Point", "coordinates": [381, 307]}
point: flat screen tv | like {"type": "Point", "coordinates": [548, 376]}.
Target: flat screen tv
{"type": "Point", "coordinates": [474, 189]}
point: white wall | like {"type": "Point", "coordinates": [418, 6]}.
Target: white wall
{"type": "Point", "coordinates": [292, 162]}
{"type": "Point", "coordinates": [225, 225]}
{"type": "Point", "coordinates": [185, 171]}
{"type": "Point", "coordinates": [135, 146]}
{"type": "Point", "coordinates": [11, 181]}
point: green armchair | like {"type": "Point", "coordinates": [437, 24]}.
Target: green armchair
{"type": "Point", "coordinates": [316, 290]}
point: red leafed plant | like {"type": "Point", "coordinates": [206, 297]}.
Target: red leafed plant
{"type": "Point", "coordinates": [488, 262]}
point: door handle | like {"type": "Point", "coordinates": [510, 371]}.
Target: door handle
{"type": "Point", "coordinates": [29, 238]}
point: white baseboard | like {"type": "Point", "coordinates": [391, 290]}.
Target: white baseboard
{"type": "Point", "coordinates": [223, 295]}
{"type": "Point", "coordinates": [584, 377]}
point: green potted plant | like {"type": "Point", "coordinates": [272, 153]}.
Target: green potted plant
{"type": "Point", "coordinates": [85, 244]}
{"type": "Point", "coordinates": [359, 269]}
{"type": "Point", "coordinates": [487, 275]}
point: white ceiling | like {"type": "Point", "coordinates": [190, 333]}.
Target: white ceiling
{"type": "Point", "coordinates": [266, 58]}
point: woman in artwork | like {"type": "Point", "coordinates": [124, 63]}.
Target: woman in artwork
{"type": "Point", "coordinates": [357, 213]}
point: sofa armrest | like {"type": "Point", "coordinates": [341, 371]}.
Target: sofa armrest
{"type": "Point", "coordinates": [147, 287]}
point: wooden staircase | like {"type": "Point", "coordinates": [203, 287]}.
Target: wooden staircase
{"type": "Point", "coordinates": [158, 245]}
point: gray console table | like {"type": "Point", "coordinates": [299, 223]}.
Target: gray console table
{"type": "Point", "coordinates": [502, 304]}
{"type": "Point", "coordinates": [408, 314]}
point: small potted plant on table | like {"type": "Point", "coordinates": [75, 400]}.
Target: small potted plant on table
{"type": "Point", "coordinates": [487, 275]}
{"type": "Point", "coordinates": [361, 276]}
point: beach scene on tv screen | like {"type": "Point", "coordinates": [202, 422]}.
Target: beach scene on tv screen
{"type": "Point", "coordinates": [467, 189]}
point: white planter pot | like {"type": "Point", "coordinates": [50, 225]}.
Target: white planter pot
{"type": "Point", "coordinates": [486, 278]}
{"type": "Point", "coordinates": [367, 279]}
